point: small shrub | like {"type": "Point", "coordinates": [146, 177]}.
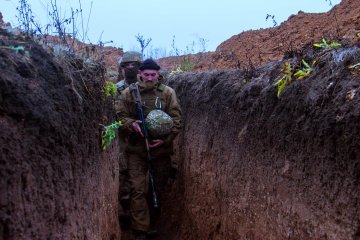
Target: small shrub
{"type": "Point", "coordinates": [324, 44]}
{"type": "Point", "coordinates": [303, 72]}
{"type": "Point", "coordinates": [26, 19]}
{"type": "Point", "coordinates": [110, 89]}
{"type": "Point", "coordinates": [108, 134]}
{"type": "Point", "coordinates": [273, 19]}
{"type": "Point", "coordinates": [355, 69]}
{"type": "Point", "coordinates": [286, 79]}
{"type": "Point", "coordinates": [186, 64]}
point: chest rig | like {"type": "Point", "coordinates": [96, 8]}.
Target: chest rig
{"type": "Point", "coordinates": [150, 100]}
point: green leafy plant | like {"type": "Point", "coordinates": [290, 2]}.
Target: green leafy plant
{"type": "Point", "coordinates": [186, 64]}
{"type": "Point", "coordinates": [324, 44]}
{"type": "Point", "coordinates": [355, 65]}
{"type": "Point", "coordinates": [355, 68]}
{"type": "Point", "coordinates": [17, 49]}
{"type": "Point", "coordinates": [108, 134]}
{"type": "Point", "coordinates": [286, 79]}
{"type": "Point", "coordinates": [110, 89]}
{"type": "Point", "coordinates": [303, 72]}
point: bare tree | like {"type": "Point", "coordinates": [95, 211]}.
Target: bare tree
{"type": "Point", "coordinates": [143, 42]}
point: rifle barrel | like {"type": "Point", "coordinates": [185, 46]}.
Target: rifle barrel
{"type": "Point", "coordinates": [148, 156]}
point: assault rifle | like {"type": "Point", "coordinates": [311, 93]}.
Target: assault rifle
{"type": "Point", "coordinates": [139, 108]}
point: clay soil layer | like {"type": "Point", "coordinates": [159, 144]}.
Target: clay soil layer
{"type": "Point", "coordinates": [55, 183]}
{"type": "Point", "coordinates": [258, 47]}
{"type": "Point", "coordinates": [257, 166]}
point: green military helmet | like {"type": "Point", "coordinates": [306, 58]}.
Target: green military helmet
{"type": "Point", "coordinates": [158, 123]}
{"type": "Point", "coordinates": [131, 56]}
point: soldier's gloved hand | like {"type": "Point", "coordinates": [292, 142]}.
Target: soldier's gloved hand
{"type": "Point", "coordinates": [136, 126]}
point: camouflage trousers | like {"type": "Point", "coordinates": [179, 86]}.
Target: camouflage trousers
{"type": "Point", "coordinates": [143, 216]}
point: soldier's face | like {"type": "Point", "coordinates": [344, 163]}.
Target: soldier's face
{"type": "Point", "coordinates": [149, 75]}
{"type": "Point", "coordinates": [130, 70]}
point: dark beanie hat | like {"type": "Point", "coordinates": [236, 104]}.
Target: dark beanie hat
{"type": "Point", "coordinates": [149, 64]}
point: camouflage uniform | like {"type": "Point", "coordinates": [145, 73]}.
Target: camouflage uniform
{"type": "Point", "coordinates": [136, 150]}
{"type": "Point", "coordinates": [124, 186]}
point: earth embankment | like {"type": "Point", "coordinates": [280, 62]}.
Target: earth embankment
{"type": "Point", "coordinates": [257, 166]}
{"type": "Point", "coordinates": [56, 183]}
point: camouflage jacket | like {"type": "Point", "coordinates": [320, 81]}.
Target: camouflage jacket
{"type": "Point", "coordinates": [126, 113]}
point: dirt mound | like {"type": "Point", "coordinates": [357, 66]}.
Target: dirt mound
{"type": "Point", "coordinates": [108, 55]}
{"type": "Point", "coordinates": [257, 47]}
{"type": "Point", "coordinates": [255, 166]}
{"type": "Point", "coordinates": [55, 181]}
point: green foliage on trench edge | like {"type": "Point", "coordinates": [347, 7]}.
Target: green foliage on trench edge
{"type": "Point", "coordinates": [287, 73]}
{"type": "Point", "coordinates": [108, 134]}
{"type": "Point", "coordinates": [110, 89]}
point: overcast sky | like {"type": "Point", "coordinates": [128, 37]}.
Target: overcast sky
{"type": "Point", "coordinates": [192, 22]}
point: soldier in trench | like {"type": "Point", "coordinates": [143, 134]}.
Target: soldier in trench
{"type": "Point", "coordinates": [154, 95]}
{"type": "Point", "coordinates": [128, 68]}
{"type": "Point", "coordinates": [129, 65]}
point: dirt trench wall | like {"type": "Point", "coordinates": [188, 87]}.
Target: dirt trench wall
{"type": "Point", "coordinates": [255, 166]}
{"type": "Point", "coordinates": [56, 183]}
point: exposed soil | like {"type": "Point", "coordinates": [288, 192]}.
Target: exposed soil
{"type": "Point", "coordinates": [251, 165]}
{"type": "Point", "coordinates": [55, 181]}
{"type": "Point", "coordinates": [255, 166]}
{"type": "Point", "coordinates": [257, 47]}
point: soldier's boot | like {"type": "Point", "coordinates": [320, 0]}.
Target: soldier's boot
{"type": "Point", "coordinates": [125, 203]}
{"type": "Point", "coordinates": [124, 216]}
{"type": "Point", "coordinates": [152, 234]}
{"type": "Point", "coordinates": [125, 221]}
{"type": "Point", "coordinates": [139, 235]}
